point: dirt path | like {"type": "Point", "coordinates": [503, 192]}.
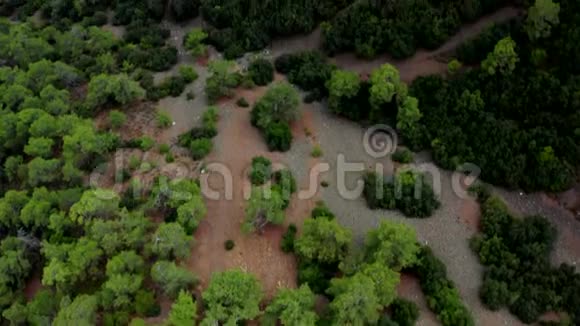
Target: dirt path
{"type": "Point", "coordinates": [234, 147]}
{"type": "Point", "coordinates": [422, 63]}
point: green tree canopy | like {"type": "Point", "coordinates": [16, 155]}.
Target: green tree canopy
{"type": "Point", "coordinates": [542, 16]}
{"type": "Point", "coordinates": [183, 310]}
{"type": "Point", "coordinates": [231, 297]}
{"type": "Point", "coordinates": [323, 240]}
{"type": "Point", "coordinates": [355, 301]}
{"type": "Point", "coordinates": [392, 244]}
{"type": "Point", "coordinates": [293, 307]}
{"type": "Point", "coordinates": [503, 59]}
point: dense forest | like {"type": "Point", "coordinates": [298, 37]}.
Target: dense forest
{"type": "Point", "coordinates": [510, 103]}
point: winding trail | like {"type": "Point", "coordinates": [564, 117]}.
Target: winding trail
{"type": "Point", "coordinates": [422, 63]}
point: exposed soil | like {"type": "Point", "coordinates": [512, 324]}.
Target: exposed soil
{"type": "Point", "coordinates": [234, 147]}
{"type": "Point", "coordinates": [410, 289]}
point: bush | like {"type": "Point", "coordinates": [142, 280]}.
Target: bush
{"type": "Point", "coordinates": [169, 158]}
{"type": "Point", "coordinates": [200, 148]}
{"type": "Point", "coordinates": [403, 156]}
{"type": "Point", "coordinates": [278, 136]}
{"type": "Point", "coordinates": [146, 305]}
{"type": "Point", "coordinates": [404, 312]}
{"type": "Point", "coordinates": [134, 162]}
{"type": "Point", "coordinates": [146, 143]}
{"type": "Point", "coordinates": [163, 119]}
{"type": "Point", "coordinates": [229, 245]}
{"type": "Point", "coordinates": [261, 71]}
{"type": "Point", "coordinates": [314, 275]}
{"type": "Point", "coordinates": [285, 180]}
{"type": "Point", "coordinates": [117, 119]}
{"type": "Point", "coordinates": [316, 151]}
{"type": "Point", "coordinates": [261, 170]}
{"type": "Point", "coordinates": [322, 211]}
{"type": "Point", "coordinates": [401, 194]}
{"type": "Point", "coordinates": [188, 74]}
{"type": "Point", "coordinates": [242, 102]}
{"type": "Point", "coordinates": [164, 148]}
{"type": "Point", "coordinates": [287, 244]}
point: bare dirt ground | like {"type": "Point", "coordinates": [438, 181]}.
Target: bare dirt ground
{"type": "Point", "coordinates": [234, 147]}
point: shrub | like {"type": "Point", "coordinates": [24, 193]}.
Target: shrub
{"type": "Point", "coordinates": [324, 184]}
{"type": "Point", "coordinates": [229, 245]}
{"type": "Point", "coordinates": [242, 102]}
{"type": "Point", "coordinates": [188, 73]}
{"type": "Point", "coordinates": [200, 148]}
{"type": "Point", "coordinates": [134, 162]}
{"type": "Point", "coordinates": [322, 211]}
{"type": "Point", "coordinates": [164, 148]}
{"type": "Point", "coordinates": [316, 151]}
{"type": "Point", "coordinates": [193, 41]}
{"type": "Point", "coordinates": [169, 158]}
{"type": "Point", "coordinates": [190, 96]}
{"type": "Point", "coordinates": [146, 143]}
{"type": "Point", "coordinates": [261, 71]}
{"type": "Point", "coordinates": [117, 119]}
{"type": "Point", "coordinates": [146, 305]}
{"type": "Point", "coordinates": [278, 136]}
{"type": "Point", "coordinates": [404, 312]}
{"type": "Point", "coordinates": [287, 244]}
{"type": "Point", "coordinates": [261, 170]}
{"type": "Point", "coordinates": [403, 156]}
{"type": "Point", "coordinates": [163, 119]}
{"type": "Point", "coordinates": [285, 180]}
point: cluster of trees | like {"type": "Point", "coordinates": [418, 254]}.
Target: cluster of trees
{"type": "Point", "coordinates": [239, 26]}
{"type": "Point", "coordinates": [199, 139]}
{"type": "Point", "coordinates": [274, 112]}
{"type": "Point", "coordinates": [309, 70]}
{"type": "Point", "coordinates": [516, 253]}
{"type": "Point", "coordinates": [368, 277]}
{"type": "Point", "coordinates": [407, 191]}
{"type": "Point", "coordinates": [81, 238]}
{"type": "Point", "coordinates": [517, 115]}
{"type": "Point", "coordinates": [222, 80]}
{"type": "Point", "coordinates": [442, 295]}
{"type": "Point", "coordinates": [270, 195]}
{"type": "Point", "coordinates": [400, 27]}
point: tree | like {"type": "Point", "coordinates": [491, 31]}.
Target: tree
{"type": "Point", "coordinates": [323, 240]}
{"type": "Point", "coordinates": [408, 118]}
{"type": "Point", "coordinates": [343, 84]}
{"type": "Point", "coordinates": [230, 297]}
{"type": "Point", "coordinates": [385, 281]}
{"type": "Point", "coordinates": [171, 240]}
{"type": "Point", "coordinates": [385, 85]}
{"type": "Point", "coordinates": [355, 301]}
{"type": "Point", "coordinates": [405, 312]}
{"type": "Point", "coordinates": [183, 310]}
{"type": "Point", "coordinates": [118, 89]}
{"type": "Point", "coordinates": [279, 104]}
{"type": "Point", "coordinates": [39, 147]}
{"type": "Point", "coordinates": [194, 42]}
{"type": "Point", "coordinates": [392, 244]}
{"type": "Point", "coordinates": [35, 213]}
{"type": "Point", "coordinates": [171, 278]}
{"type": "Point", "coordinates": [97, 203]}
{"type": "Point", "coordinates": [542, 16]}
{"type": "Point", "coordinates": [261, 71]}
{"type": "Point", "coordinates": [117, 119]}
{"type": "Point", "coordinates": [190, 214]}
{"type": "Point", "coordinates": [82, 311]}
{"type": "Point", "coordinates": [264, 206]}
{"type": "Point", "coordinates": [503, 59]}
{"type": "Point", "coordinates": [10, 206]}
{"type": "Point", "coordinates": [293, 307]}
{"type": "Point", "coordinates": [126, 262]}
{"type": "Point", "coordinates": [221, 80]}
{"type": "Point", "coordinates": [41, 171]}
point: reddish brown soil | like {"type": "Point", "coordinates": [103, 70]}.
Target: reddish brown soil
{"type": "Point", "coordinates": [237, 143]}
{"type": "Point", "coordinates": [470, 213]}
{"type": "Point", "coordinates": [33, 286]}
{"type": "Point", "coordinates": [410, 289]}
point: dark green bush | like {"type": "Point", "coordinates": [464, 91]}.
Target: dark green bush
{"type": "Point", "coordinates": [403, 156]}
{"type": "Point", "coordinates": [278, 136]}
{"type": "Point", "coordinates": [261, 170]}
{"type": "Point", "coordinates": [261, 71]}
{"type": "Point", "coordinates": [200, 148]}
{"type": "Point", "coordinates": [287, 244]}
{"type": "Point", "coordinates": [404, 312]}
{"type": "Point", "coordinates": [229, 245]}
{"type": "Point", "coordinates": [321, 210]}
{"type": "Point", "coordinates": [146, 305]}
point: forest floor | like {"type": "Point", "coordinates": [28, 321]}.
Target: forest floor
{"type": "Point", "coordinates": [237, 142]}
